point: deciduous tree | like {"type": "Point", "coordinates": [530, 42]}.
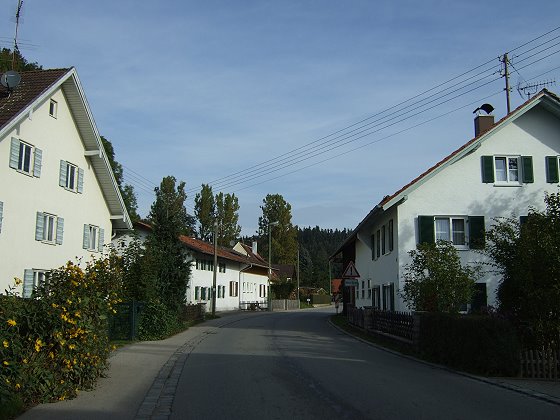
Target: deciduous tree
{"type": "Point", "coordinates": [227, 215]}
{"type": "Point", "coordinates": [205, 212]}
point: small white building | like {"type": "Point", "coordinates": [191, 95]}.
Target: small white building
{"type": "Point", "coordinates": [502, 172]}
{"type": "Point", "coordinates": [241, 277]}
{"type": "Point", "coordinates": [59, 200]}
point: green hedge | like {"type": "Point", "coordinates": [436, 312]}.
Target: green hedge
{"type": "Point", "coordinates": [478, 344]}
{"type": "Point", "coordinates": [320, 299]}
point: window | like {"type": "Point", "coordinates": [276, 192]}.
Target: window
{"type": "Point", "coordinates": [373, 246]}
{"type": "Point", "coordinates": [388, 297]}
{"type": "Point", "coordinates": [49, 228]}
{"type": "Point", "coordinates": [507, 170]}
{"type": "Point", "coordinates": [33, 278]}
{"type": "Point", "coordinates": [369, 293]}
{"type": "Point", "coordinates": [197, 264]}
{"type": "Point", "coordinates": [222, 267]}
{"type": "Point", "coordinates": [94, 238]}
{"type": "Point", "coordinates": [233, 288]}
{"type": "Point", "coordinates": [53, 108]}
{"type": "Point", "coordinates": [378, 244]}
{"type": "Point", "coordinates": [376, 301]}
{"type": "Point", "coordinates": [391, 240]}
{"type": "Point", "coordinates": [383, 239]}
{"type": "Point", "coordinates": [451, 229]}
{"type": "Point", "coordinates": [71, 177]}
{"type": "Point", "coordinates": [552, 169]}
{"type": "Point", "coordinates": [196, 292]}
{"type": "Point", "coordinates": [464, 232]}
{"type": "Point", "coordinates": [203, 293]}
{"type": "Point", "coordinates": [25, 158]}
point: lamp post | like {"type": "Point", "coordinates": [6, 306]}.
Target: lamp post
{"type": "Point", "coordinates": [270, 262]}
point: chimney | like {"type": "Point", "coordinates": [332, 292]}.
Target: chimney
{"type": "Point", "coordinates": [254, 247]}
{"type": "Point", "coordinates": [483, 122]}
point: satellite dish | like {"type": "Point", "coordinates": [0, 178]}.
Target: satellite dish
{"type": "Point", "coordinates": [10, 79]}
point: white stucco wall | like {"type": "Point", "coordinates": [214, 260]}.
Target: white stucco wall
{"type": "Point", "coordinates": [458, 190]}
{"type": "Point", "coordinates": [23, 196]}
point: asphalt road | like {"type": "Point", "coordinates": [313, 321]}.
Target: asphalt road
{"type": "Point", "coordinates": [295, 365]}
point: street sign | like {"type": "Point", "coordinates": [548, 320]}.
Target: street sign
{"type": "Point", "coordinates": [350, 272]}
{"type": "Point", "coordinates": [351, 282]}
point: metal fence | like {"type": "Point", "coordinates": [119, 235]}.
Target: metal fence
{"type": "Point", "coordinates": [400, 325]}
{"type": "Point", "coordinates": [123, 325]}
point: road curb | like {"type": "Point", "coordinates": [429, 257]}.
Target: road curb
{"type": "Point", "coordinates": [494, 382]}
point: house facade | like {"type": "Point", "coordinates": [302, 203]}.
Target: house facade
{"type": "Point", "coordinates": [59, 200]}
{"type": "Point", "coordinates": [241, 276]}
{"type": "Point", "coordinates": [502, 172]}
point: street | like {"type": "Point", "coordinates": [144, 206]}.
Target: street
{"type": "Point", "coordinates": [296, 365]}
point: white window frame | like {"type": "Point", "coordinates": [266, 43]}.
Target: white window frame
{"type": "Point", "coordinates": [71, 177]}
{"type": "Point", "coordinates": [21, 162]}
{"type": "Point", "coordinates": [451, 231]}
{"type": "Point", "coordinates": [53, 108]}
{"type": "Point", "coordinates": [39, 277]}
{"type": "Point", "coordinates": [376, 299]}
{"type": "Point", "coordinates": [93, 244]}
{"type": "Point", "coordinates": [49, 228]}
{"type": "Point", "coordinates": [507, 171]}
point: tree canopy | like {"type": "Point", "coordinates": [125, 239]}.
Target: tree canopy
{"type": "Point", "coordinates": [205, 212]}
{"type": "Point", "coordinates": [17, 62]}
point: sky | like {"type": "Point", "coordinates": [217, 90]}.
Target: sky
{"type": "Point", "coordinates": [266, 97]}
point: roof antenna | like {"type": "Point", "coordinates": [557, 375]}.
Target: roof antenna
{"type": "Point", "coordinates": [531, 89]}
{"type": "Point", "coordinates": [16, 48]}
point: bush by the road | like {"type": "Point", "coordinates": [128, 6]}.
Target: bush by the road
{"type": "Point", "coordinates": [478, 344]}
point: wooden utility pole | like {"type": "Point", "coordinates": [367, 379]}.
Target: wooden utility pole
{"type": "Point", "coordinates": [505, 60]}
{"type": "Point", "coordinates": [215, 269]}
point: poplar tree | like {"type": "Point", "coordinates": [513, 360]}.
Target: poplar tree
{"type": "Point", "coordinates": [227, 215]}
{"type": "Point", "coordinates": [205, 212]}
{"type": "Point", "coordinates": [283, 235]}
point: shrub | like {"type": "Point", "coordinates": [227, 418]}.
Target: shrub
{"type": "Point", "coordinates": [159, 321]}
{"type": "Point", "coordinates": [478, 344]}
{"type": "Point", "coordinates": [56, 342]}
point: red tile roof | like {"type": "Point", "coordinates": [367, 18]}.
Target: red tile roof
{"type": "Point", "coordinates": [32, 85]}
{"type": "Point", "coordinates": [207, 248]}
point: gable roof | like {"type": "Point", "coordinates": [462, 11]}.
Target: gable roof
{"type": "Point", "coordinates": [38, 85]}
{"type": "Point", "coordinates": [207, 248]}
{"type": "Point", "coordinates": [548, 99]}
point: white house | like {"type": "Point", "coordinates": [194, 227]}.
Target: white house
{"type": "Point", "coordinates": [503, 171]}
{"type": "Point", "coordinates": [59, 200]}
{"type": "Point", "coordinates": [241, 278]}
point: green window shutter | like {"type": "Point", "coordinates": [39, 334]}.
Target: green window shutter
{"type": "Point", "coordinates": [527, 164]}
{"type": "Point", "coordinates": [477, 232]}
{"type": "Point", "coordinates": [426, 229]}
{"type": "Point", "coordinates": [488, 169]}
{"type": "Point", "coordinates": [80, 180]}
{"type": "Point", "coordinates": [552, 169]}
{"type": "Point", "coordinates": [373, 247]}
{"type": "Point", "coordinates": [14, 153]}
{"type": "Point", "coordinates": [59, 230]}
{"type": "Point", "coordinates": [27, 283]}
{"type": "Point", "coordinates": [85, 243]}
{"type": "Point", "coordinates": [1, 212]}
{"type": "Point", "coordinates": [39, 227]}
{"type": "Point", "coordinates": [196, 290]}
{"type": "Point", "coordinates": [391, 237]}
{"type": "Point", "coordinates": [101, 240]}
{"type": "Point", "coordinates": [37, 162]}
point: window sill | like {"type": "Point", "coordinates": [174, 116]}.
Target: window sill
{"type": "Point", "coordinates": [507, 184]}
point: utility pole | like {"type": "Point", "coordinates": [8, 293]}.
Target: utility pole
{"type": "Point", "coordinates": [505, 61]}
{"type": "Point", "coordinates": [297, 274]}
{"type": "Point", "coordinates": [215, 274]}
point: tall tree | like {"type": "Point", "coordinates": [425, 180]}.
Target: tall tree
{"type": "Point", "coordinates": [205, 212]}
{"type": "Point", "coordinates": [283, 235]}
{"type": "Point", "coordinates": [169, 219]}
{"type": "Point", "coordinates": [126, 190]}
{"type": "Point", "coordinates": [227, 214]}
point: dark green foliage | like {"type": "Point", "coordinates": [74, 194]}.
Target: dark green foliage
{"type": "Point", "coordinates": [164, 250]}
{"type": "Point", "coordinates": [478, 344]}
{"type": "Point", "coordinates": [283, 289]}
{"type": "Point", "coordinates": [320, 299]}
{"type": "Point", "coordinates": [20, 63]}
{"type": "Point", "coordinates": [316, 245]}
{"type": "Point", "coordinates": [435, 280]}
{"type": "Point", "coordinates": [205, 212]}
{"type": "Point", "coordinates": [283, 235]}
{"type": "Point", "coordinates": [528, 258]}
{"type": "Point", "coordinates": [227, 214]}
{"type": "Point", "coordinates": [126, 190]}
{"type": "Point", "coordinates": [158, 322]}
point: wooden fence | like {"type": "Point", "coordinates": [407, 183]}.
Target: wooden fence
{"type": "Point", "coordinates": [399, 325]}
{"type": "Point", "coordinates": [541, 364]}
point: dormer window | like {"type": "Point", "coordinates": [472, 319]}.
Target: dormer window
{"type": "Point", "coordinates": [53, 108]}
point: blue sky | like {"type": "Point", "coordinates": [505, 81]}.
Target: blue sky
{"type": "Point", "coordinates": [202, 90]}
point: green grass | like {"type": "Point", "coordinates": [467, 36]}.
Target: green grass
{"type": "Point", "coordinates": [380, 340]}
{"type": "Point", "coordinates": [11, 409]}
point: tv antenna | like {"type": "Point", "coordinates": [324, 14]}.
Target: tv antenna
{"type": "Point", "coordinates": [16, 48]}
{"type": "Point", "coordinates": [530, 89]}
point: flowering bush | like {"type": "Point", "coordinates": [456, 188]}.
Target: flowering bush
{"type": "Point", "coordinates": [56, 342]}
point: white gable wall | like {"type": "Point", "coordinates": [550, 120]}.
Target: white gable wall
{"type": "Point", "coordinates": [23, 196]}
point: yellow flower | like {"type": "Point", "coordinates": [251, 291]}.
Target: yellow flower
{"type": "Point", "coordinates": [18, 386]}
{"type": "Point", "coordinates": [72, 346]}
{"type": "Point", "coordinates": [17, 281]}
{"type": "Point", "coordinates": [6, 363]}
{"type": "Point", "coordinates": [24, 361]}
{"type": "Point", "coordinates": [6, 344]}
{"type": "Point", "coordinates": [11, 322]}
{"type": "Point", "coordinates": [38, 345]}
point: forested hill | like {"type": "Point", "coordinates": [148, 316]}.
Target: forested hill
{"type": "Point", "coordinates": [315, 245]}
